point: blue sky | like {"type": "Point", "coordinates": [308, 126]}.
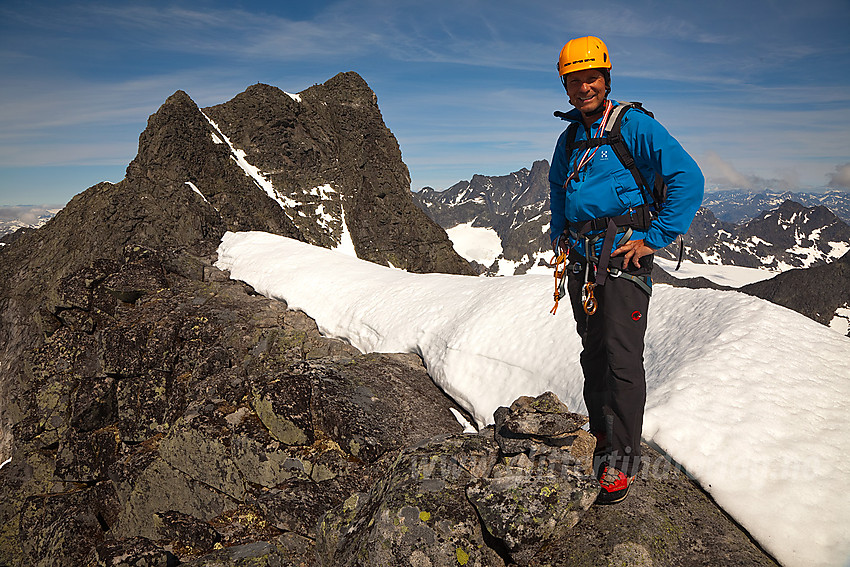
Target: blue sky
{"type": "Point", "coordinates": [758, 92]}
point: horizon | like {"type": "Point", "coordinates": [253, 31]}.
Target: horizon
{"type": "Point", "coordinates": [466, 88]}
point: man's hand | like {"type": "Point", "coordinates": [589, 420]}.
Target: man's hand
{"type": "Point", "coordinates": [560, 245]}
{"type": "Point", "coordinates": [634, 250]}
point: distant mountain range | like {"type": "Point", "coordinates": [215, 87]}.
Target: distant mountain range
{"type": "Point", "coordinates": [514, 206]}
{"type": "Point", "coordinates": [785, 234]}
{"type": "Point", "coordinates": [788, 236]}
{"type": "Point", "coordinates": [739, 205]}
{"type": "Point", "coordinates": [14, 218]}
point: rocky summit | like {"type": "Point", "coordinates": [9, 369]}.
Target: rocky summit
{"type": "Point", "coordinates": [155, 412]}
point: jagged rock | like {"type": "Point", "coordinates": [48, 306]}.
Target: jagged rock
{"type": "Point", "coordinates": [184, 189]}
{"type": "Point", "coordinates": [254, 554]}
{"type": "Point", "coordinates": [133, 552]}
{"type": "Point", "coordinates": [542, 417]}
{"type": "Point", "coordinates": [62, 528]}
{"type": "Point", "coordinates": [543, 482]}
{"type": "Point", "coordinates": [200, 447]}
{"type": "Point", "coordinates": [186, 534]}
{"type": "Point", "coordinates": [455, 500]}
{"type": "Point", "coordinates": [544, 426]}
{"type": "Point", "coordinates": [818, 292]}
{"type": "Point", "coordinates": [417, 514]}
{"type": "Point", "coordinates": [334, 161]}
{"type": "Point", "coordinates": [433, 497]}
{"type": "Point", "coordinates": [282, 402]}
{"type": "Point", "coordinates": [528, 509]}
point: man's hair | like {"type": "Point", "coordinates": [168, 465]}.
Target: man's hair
{"type": "Point", "coordinates": [606, 74]}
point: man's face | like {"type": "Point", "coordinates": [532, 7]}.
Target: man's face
{"type": "Point", "coordinates": [586, 90]}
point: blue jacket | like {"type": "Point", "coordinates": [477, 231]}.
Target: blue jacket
{"type": "Point", "coordinates": [604, 188]}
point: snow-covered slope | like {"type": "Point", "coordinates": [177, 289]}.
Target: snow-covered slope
{"type": "Point", "coordinates": [753, 399]}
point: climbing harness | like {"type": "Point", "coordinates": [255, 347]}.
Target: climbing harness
{"type": "Point", "coordinates": [609, 133]}
{"type": "Point", "coordinates": [608, 228]}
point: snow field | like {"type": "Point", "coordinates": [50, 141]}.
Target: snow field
{"type": "Point", "coordinates": [751, 398]}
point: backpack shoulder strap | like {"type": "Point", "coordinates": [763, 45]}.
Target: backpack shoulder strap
{"type": "Point", "coordinates": [621, 149]}
{"type": "Point", "coordinates": [572, 132]}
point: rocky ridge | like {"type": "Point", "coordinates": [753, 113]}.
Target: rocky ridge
{"type": "Point", "coordinates": [187, 186]}
{"type": "Point", "coordinates": [821, 293]}
{"type": "Point", "coordinates": [790, 236]}
{"type": "Point", "coordinates": [170, 418]}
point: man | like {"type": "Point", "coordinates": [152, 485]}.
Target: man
{"type": "Point", "coordinates": [611, 227]}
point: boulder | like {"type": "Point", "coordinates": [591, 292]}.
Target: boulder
{"type": "Point", "coordinates": [462, 499]}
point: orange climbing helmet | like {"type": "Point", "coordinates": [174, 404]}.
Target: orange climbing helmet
{"type": "Point", "coordinates": [583, 53]}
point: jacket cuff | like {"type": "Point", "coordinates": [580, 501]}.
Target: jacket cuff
{"type": "Point", "coordinates": [654, 240]}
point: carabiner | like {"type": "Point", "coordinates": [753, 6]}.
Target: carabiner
{"type": "Point", "coordinates": [588, 301]}
{"type": "Point", "coordinates": [560, 263]}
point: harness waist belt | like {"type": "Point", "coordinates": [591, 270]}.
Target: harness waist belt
{"type": "Point", "coordinates": [638, 217]}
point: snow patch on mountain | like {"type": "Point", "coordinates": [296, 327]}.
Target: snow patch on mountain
{"type": "Point", "coordinates": [730, 276]}
{"type": "Point", "coordinates": [196, 190]}
{"type": "Point", "coordinates": [479, 244]}
{"type": "Point", "coordinates": [841, 321]}
{"type": "Point", "coordinates": [253, 172]}
{"type": "Point", "coordinates": [346, 244]}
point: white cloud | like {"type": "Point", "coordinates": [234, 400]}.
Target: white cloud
{"type": "Point", "coordinates": [27, 215]}
{"type": "Point", "coordinates": [840, 178]}
{"type": "Point", "coordinates": [718, 171]}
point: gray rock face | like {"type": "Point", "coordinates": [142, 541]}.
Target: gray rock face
{"type": "Point", "coordinates": [336, 165]}
{"type": "Point", "coordinates": [529, 509]}
{"type": "Point", "coordinates": [818, 292]}
{"type": "Point", "coordinates": [417, 514]}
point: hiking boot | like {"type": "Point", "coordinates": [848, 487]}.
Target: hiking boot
{"type": "Point", "coordinates": [615, 485]}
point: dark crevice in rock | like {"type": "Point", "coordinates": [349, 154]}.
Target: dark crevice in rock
{"type": "Point", "coordinates": [498, 545]}
{"type": "Point", "coordinates": [100, 520]}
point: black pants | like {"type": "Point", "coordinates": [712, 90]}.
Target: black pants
{"type": "Point", "coordinates": [612, 359]}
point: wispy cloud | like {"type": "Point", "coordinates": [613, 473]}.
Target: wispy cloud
{"type": "Point", "coordinates": [27, 215]}
{"type": "Point", "coordinates": [467, 87]}
{"type": "Point", "coordinates": [840, 178]}
{"type": "Point", "coordinates": [721, 172]}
